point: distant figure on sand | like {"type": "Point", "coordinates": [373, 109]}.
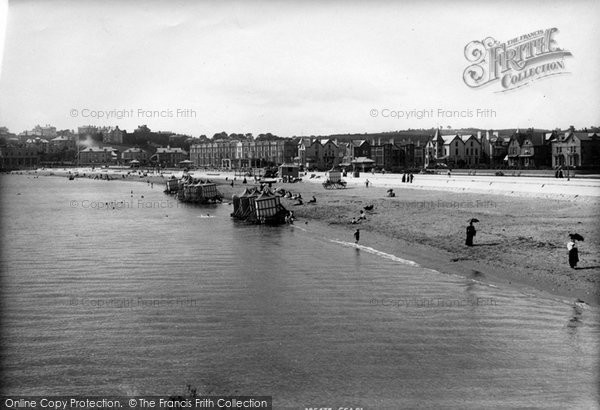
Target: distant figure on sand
{"type": "Point", "coordinates": [367, 183]}
{"type": "Point", "coordinates": [573, 252]}
{"type": "Point", "coordinates": [356, 236]}
{"type": "Point", "coordinates": [471, 232]}
{"type": "Point", "coordinates": [410, 177]}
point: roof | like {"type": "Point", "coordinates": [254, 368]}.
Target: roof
{"type": "Point", "coordinates": [162, 150]}
{"type": "Point", "coordinates": [465, 138]}
{"type": "Point", "coordinates": [60, 139]}
{"type": "Point", "coordinates": [581, 136]}
{"type": "Point", "coordinates": [358, 143]}
{"type": "Point", "coordinates": [449, 138]}
{"type": "Point", "coordinates": [326, 141]}
{"type": "Point", "coordinates": [134, 150]}
{"type": "Point", "coordinates": [362, 160]}
{"type": "Point", "coordinates": [97, 149]}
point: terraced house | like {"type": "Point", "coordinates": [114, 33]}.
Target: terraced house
{"type": "Point", "coordinates": [242, 154]}
{"type": "Point", "coordinates": [320, 154]}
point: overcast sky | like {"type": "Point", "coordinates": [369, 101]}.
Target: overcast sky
{"type": "Point", "coordinates": [289, 68]}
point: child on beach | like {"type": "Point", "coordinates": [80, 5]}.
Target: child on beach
{"type": "Point", "coordinates": [356, 236]}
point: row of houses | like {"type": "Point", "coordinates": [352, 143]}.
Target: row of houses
{"type": "Point", "coordinates": [54, 145]}
{"type": "Point", "coordinates": [527, 149]}
{"type": "Point", "coordinates": [242, 154]}
{"type": "Point", "coordinates": [164, 156]}
{"type": "Point", "coordinates": [110, 135]}
{"type": "Point", "coordinates": [15, 157]}
{"type": "Point", "coordinates": [311, 153]}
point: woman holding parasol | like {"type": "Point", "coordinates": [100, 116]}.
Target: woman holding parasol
{"type": "Point", "coordinates": [471, 232]}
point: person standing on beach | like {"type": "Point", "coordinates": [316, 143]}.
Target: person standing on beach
{"type": "Point", "coordinates": [367, 183]}
{"type": "Point", "coordinates": [356, 236]}
{"type": "Point", "coordinates": [573, 253]}
{"type": "Point", "coordinates": [410, 177]}
{"type": "Point", "coordinates": [471, 232]}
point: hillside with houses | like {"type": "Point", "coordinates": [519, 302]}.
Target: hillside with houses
{"type": "Point", "coordinates": [393, 151]}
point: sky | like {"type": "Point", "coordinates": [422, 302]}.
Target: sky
{"type": "Point", "coordinates": [289, 68]}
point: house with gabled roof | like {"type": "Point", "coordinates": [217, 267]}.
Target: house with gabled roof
{"type": "Point", "coordinates": [169, 156]}
{"type": "Point", "coordinates": [529, 150]}
{"type": "Point", "coordinates": [447, 149]}
{"type": "Point", "coordinates": [329, 154]}
{"type": "Point", "coordinates": [576, 149]}
{"type": "Point", "coordinates": [472, 150]}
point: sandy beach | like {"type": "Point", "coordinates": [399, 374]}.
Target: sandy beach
{"type": "Point", "coordinates": [521, 237]}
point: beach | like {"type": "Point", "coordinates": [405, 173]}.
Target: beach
{"type": "Point", "coordinates": [154, 295]}
{"type": "Point", "coordinates": [521, 237]}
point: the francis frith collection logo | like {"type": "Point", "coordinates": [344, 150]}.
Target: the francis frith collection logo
{"type": "Point", "coordinates": [516, 62]}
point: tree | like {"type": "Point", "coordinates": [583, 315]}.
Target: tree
{"type": "Point", "coordinates": [220, 136]}
{"type": "Point", "coordinates": [267, 137]}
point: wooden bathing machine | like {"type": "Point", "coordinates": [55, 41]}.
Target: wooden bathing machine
{"type": "Point", "coordinates": [193, 190]}
{"type": "Point", "coordinates": [259, 207]}
{"type": "Point", "coordinates": [199, 193]}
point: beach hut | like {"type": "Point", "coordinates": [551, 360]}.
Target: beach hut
{"type": "Point", "coordinates": [172, 185]}
{"type": "Point", "coordinates": [289, 172]}
{"type": "Point", "coordinates": [209, 191]}
{"type": "Point", "coordinates": [247, 207]}
{"type": "Point", "coordinates": [268, 208]}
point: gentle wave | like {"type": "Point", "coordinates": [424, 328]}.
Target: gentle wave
{"type": "Point", "coordinates": [378, 253]}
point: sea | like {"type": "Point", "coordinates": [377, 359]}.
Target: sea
{"type": "Point", "coordinates": [114, 288]}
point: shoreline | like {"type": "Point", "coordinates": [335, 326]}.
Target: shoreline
{"type": "Point", "coordinates": [530, 256]}
{"type": "Point", "coordinates": [427, 226]}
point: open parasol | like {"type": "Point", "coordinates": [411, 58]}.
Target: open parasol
{"type": "Point", "coordinates": [576, 237]}
{"type": "Point", "coordinates": [474, 220]}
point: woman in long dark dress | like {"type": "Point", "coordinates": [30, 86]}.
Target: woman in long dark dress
{"type": "Point", "coordinates": [573, 253]}
{"type": "Point", "coordinates": [471, 232]}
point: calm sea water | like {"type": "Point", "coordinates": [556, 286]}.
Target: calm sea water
{"type": "Point", "coordinates": [105, 291]}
